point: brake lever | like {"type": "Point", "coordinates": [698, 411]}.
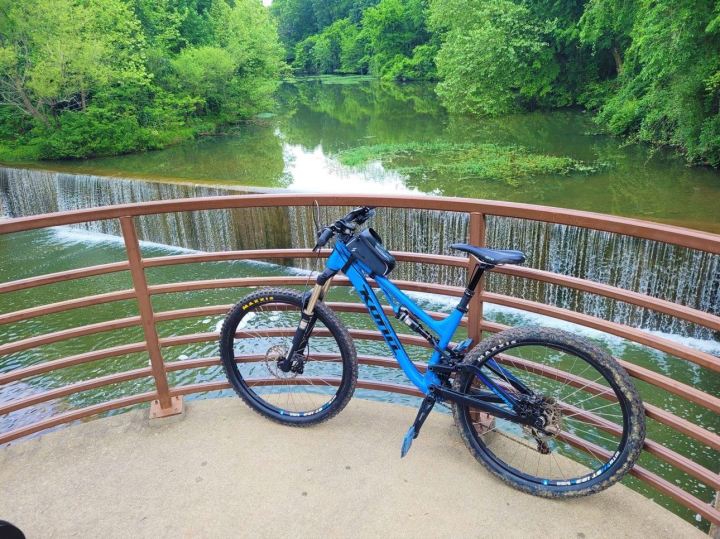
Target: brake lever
{"type": "Point", "coordinates": [323, 237]}
{"type": "Point", "coordinates": [367, 213]}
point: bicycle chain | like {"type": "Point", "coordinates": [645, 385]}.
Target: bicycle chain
{"type": "Point", "coordinates": [515, 440]}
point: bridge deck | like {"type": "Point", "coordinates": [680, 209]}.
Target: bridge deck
{"type": "Point", "coordinates": [221, 470]}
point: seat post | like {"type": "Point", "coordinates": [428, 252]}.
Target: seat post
{"type": "Point", "coordinates": [477, 274]}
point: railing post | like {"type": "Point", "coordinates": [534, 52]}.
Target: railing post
{"type": "Point", "coordinates": [164, 405]}
{"type": "Point", "coordinates": [715, 528]}
{"type": "Point", "coordinates": [476, 233]}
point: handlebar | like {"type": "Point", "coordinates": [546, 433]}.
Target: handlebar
{"type": "Point", "coordinates": [345, 226]}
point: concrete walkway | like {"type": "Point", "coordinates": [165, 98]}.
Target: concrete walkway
{"type": "Point", "coordinates": [223, 471]}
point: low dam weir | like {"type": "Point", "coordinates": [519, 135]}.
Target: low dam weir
{"type": "Point", "coordinates": [677, 274]}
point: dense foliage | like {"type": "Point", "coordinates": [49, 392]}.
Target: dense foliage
{"type": "Point", "coordinates": [668, 89]}
{"type": "Point", "coordinates": [94, 77]}
{"type": "Point", "coordinates": [386, 38]}
{"type": "Point", "coordinates": [651, 68]}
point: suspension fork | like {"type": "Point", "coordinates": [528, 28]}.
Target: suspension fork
{"type": "Point", "coordinates": [307, 322]}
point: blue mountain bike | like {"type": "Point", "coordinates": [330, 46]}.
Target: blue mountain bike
{"type": "Point", "coordinates": [545, 411]}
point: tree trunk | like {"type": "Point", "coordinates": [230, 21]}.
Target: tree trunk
{"type": "Point", "coordinates": [54, 116]}
{"type": "Point", "coordinates": [30, 108]}
{"type": "Point", "coordinates": [618, 60]}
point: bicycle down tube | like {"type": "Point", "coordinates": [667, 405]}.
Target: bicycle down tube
{"type": "Point", "coordinates": [341, 259]}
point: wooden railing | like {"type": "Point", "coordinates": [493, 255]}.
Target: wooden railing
{"type": "Point", "coordinates": [167, 400]}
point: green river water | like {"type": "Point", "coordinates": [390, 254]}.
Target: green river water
{"type": "Point", "coordinates": [294, 148]}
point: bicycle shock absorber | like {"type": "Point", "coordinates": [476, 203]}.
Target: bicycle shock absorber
{"type": "Point", "coordinates": [409, 320]}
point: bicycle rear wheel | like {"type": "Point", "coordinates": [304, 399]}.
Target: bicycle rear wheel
{"type": "Point", "coordinates": [594, 419]}
{"type": "Point", "coordinates": [258, 331]}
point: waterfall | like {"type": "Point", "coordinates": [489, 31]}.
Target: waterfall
{"type": "Point", "coordinates": [660, 270]}
{"type": "Point", "coordinates": [29, 192]}
{"type": "Point", "coordinates": [673, 273]}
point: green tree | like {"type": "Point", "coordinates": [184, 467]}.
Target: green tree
{"type": "Point", "coordinates": [53, 53]}
{"type": "Point", "coordinates": [94, 77]}
{"type": "Point", "coordinates": [206, 73]}
{"type": "Point", "coordinates": [388, 38]}
{"type": "Point", "coordinates": [299, 19]}
{"type": "Point", "coordinates": [296, 21]}
{"type": "Point", "coordinates": [304, 56]}
{"type": "Point", "coordinates": [234, 76]}
{"type": "Point", "coordinates": [582, 69]}
{"type": "Point", "coordinates": [339, 48]}
{"type": "Point", "coordinates": [162, 22]}
{"type": "Point", "coordinates": [393, 29]}
{"type": "Point", "coordinates": [493, 59]}
{"type": "Point", "coordinates": [353, 49]}
{"type": "Point", "coordinates": [607, 26]}
{"type": "Point", "coordinates": [668, 91]}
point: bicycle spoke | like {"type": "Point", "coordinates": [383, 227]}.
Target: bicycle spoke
{"type": "Point", "coordinates": [291, 392]}
{"type": "Point", "coordinates": [566, 391]}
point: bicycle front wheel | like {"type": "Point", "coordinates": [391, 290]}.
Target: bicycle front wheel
{"type": "Point", "coordinates": [258, 332]}
{"type": "Point", "coordinates": [593, 419]}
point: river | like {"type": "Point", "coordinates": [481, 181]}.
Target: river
{"type": "Point", "coordinates": [295, 147]}
{"type": "Point", "coordinates": [315, 119]}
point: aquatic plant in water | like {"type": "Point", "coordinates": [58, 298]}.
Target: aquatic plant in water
{"type": "Point", "coordinates": [465, 160]}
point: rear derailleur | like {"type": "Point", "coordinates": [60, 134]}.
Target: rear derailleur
{"type": "Point", "coordinates": [546, 417]}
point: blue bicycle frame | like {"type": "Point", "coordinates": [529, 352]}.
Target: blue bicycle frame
{"type": "Point", "coordinates": [444, 361]}
{"type": "Point", "coordinates": [340, 260]}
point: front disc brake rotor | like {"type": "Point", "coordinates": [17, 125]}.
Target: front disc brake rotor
{"type": "Point", "coordinates": [273, 356]}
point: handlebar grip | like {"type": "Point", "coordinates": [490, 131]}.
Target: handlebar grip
{"type": "Point", "coordinates": [323, 237]}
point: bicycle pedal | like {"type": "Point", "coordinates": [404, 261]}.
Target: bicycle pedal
{"type": "Point", "coordinates": [407, 441]}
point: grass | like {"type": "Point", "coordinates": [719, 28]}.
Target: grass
{"type": "Point", "coordinates": [23, 151]}
{"type": "Point", "coordinates": [484, 161]}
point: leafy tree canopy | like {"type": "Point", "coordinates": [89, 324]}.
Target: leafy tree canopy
{"type": "Point", "coordinates": [92, 77]}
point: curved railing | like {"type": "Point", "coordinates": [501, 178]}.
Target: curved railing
{"type": "Point", "coordinates": [166, 400]}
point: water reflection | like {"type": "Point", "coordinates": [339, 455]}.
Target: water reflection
{"type": "Point", "coordinates": [344, 116]}
{"type": "Point", "coordinates": [313, 171]}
